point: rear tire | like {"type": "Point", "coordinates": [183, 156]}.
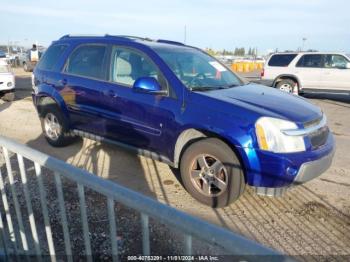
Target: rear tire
{"type": "Point", "coordinates": [8, 97]}
{"type": "Point", "coordinates": [212, 173]}
{"type": "Point", "coordinates": [286, 85]}
{"type": "Point", "coordinates": [55, 126]}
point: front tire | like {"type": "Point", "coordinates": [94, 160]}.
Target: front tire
{"type": "Point", "coordinates": [9, 96]}
{"type": "Point", "coordinates": [55, 126]}
{"type": "Point", "coordinates": [212, 173]}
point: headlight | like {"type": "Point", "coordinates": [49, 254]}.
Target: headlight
{"type": "Point", "coordinates": [270, 137]}
{"type": "Point", "coordinates": [9, 84]}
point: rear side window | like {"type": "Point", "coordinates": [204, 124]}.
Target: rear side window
{"type": "Point", "coordinates": [88, 60]}
{"type": "Point", "coordinates": [310, 61]}
{"type": "Point", "coordinates": [281, 60]}
{"type": "Point", "coordinates": [51, 56]}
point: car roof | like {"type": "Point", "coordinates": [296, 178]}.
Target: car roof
{"type": "Point", "coordinates": [308, 53]}
{"type": "Point", "coordinates": [154, 44]}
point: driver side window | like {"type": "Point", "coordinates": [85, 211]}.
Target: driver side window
{"type": "Point", "coordinates": [335, 61]}
{"type": "Point", "coordinates": [129, 65]}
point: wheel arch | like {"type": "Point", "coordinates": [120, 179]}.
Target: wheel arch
{"type": "Point", "coordinates": [191, 135]}
{"type": "Point", "coordinates": [286, 76]}
{"type": "Point", "coordinates": [45, 98]}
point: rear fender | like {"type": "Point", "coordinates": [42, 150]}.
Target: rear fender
{"type": "Point", "coordinates": [286, 76]}
{"type": "Point", "coordinates": [46, 91]}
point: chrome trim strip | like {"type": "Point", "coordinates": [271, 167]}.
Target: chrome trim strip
{"type": "Point", "coordinates": [306, 131]}
{"type": "Point", "coordinates": [270, 191]}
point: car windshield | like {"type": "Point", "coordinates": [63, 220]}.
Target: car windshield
{"type": "Point", "coordinates": [4, 69]}
{"type": "Point", "coordinates": [197, 70]}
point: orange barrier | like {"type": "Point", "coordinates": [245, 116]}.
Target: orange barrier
{"type": "Point", "coordinates": [240, 67]}
{"type": "Point", "coordinates": [234, 67]}
{"type": "Point", "coordinates": [245, 67]}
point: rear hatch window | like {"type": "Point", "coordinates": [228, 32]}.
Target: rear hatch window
{"type": "Point", "coordinates": [281, 60]}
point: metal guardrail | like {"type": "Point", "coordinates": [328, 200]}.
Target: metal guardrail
{"type": "Point", "coordinates": [190, 226]}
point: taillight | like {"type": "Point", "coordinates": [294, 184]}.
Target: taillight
{"type": "Point", "coordinates": [262, 72]}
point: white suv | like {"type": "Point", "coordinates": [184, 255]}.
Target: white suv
{"type": "Point", "coordinates": [308, 72]}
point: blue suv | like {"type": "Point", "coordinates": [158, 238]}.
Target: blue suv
{"type": "Point", "coordinates": [177, 104]}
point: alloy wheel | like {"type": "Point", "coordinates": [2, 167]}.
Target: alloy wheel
{"type": "Point", "coordinates": [286, 88]}
{"type": "Point", "coordinates": [209, 175]}
{"type": "Point", "coordinates": [53, 128]}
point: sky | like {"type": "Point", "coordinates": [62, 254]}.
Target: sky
{"type": "Point", "coordinates": [217, 24]}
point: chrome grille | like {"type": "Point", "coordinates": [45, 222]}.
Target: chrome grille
{"type": "Point", "coordinates": [319, 137]}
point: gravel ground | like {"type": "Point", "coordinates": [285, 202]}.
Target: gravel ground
{"type": "Point", "coordinates": [308, 221]}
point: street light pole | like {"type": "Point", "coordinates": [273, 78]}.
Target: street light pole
{"type": "Point", "coordinates": [304, 40]}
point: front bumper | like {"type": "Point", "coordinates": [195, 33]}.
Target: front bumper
{"type": "Point", "coordinates": [7, 82]}
{"type": "Point", "coordinates": [5, 88]}
{"type": "Point", "coordinates": [313, 169]}
{"type": "Point", "coordinates": [273, 173]}
{"type": "Point", "coordinates": [307, 172]}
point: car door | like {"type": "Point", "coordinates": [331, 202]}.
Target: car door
{"type": "Point", "coordinates": [335, 74]}
{"type": "Point", "coordinates": [308, 70]}
{"type": "Point", "coordinates": [142, 120]}
{"type": "Point", "coordinates": [82, 81]}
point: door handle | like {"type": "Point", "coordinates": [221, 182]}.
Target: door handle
{"type": "Point", "coordinates": [110, 93]}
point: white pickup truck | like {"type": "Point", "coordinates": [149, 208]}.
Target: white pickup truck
{"type": "Point", "coordinates": [7, 82]}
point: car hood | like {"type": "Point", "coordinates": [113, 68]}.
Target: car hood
{"type": "Point", "coordinates": [262, 101]}
{"type": "Point", "coordinates": [6, 76]}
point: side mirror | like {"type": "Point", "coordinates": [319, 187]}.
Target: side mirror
{"type": "Point", "coordinates": [148, 85]}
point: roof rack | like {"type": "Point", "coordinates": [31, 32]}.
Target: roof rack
{"type": "Point", "coordinates": [131, 37]}
{"type": "Point", "coordinates": [123, 37]}
{"type": "Point", "coordinates": [79, 35]}
{"type": "Point", "coordinates": [169, 42]}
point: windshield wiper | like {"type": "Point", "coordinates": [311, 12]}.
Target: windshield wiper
{"type": "Point", "coordinates": [231, 85]}
{"type": "Point", "coordinates": [202, 88]}
{"type": "Point", "coordinates": [208, 88]}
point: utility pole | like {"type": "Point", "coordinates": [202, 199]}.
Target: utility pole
{"type": "Point", "coordinates": [8, 46]}
{"type": "Point", "coordinates": [304, 40]}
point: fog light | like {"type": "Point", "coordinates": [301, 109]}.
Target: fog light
{"type": "Point", "coordinates": [9, 84]}
{"type": "Point", "coordinates": [291, 171]}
